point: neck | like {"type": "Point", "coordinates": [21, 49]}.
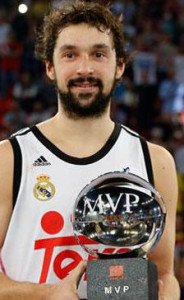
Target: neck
{"type": "Point", "coordinates": [78, 137]}
{"type": "Point", "coordinates": [83, 127]}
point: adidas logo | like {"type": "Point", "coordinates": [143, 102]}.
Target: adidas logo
{"type": "Point", "coordinates": [41, 161]}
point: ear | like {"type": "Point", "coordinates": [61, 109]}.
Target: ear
{"type": "Point", "coordinates": [50, 70]}
{"type": "Point", "coordinates": [120, 70]}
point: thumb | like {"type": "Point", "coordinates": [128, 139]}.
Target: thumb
{"type": "Point", "coordinates": [77, 273]}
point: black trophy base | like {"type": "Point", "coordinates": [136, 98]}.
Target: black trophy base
{"type": "Point", "coordinates": [127, 279]}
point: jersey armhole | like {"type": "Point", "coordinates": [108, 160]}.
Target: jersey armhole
{"type": "Point", "coordinates": [17, 168]}
{"type": "Point", "coordinates": [147, 159]}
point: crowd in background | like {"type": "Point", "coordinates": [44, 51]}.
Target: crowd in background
{"type": "Point", "coordinates": [149, 99]}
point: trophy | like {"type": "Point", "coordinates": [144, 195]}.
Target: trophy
{"type": "Point", "coordinates": [123, 216]}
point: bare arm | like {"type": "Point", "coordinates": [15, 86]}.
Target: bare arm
{"type": "Point", "coordinates": [14, 290]}
{"type": "Point", "coordinates": [6, 187]}
{"type": "Point", "coordinates": [163, 254]}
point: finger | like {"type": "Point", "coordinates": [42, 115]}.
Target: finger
{"type": "Point", "coordinates": [77, 273]}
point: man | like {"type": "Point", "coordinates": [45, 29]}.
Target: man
{"type": "Point", "coordinates": [44, 168]}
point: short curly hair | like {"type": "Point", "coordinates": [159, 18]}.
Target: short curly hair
{"type": "Point", "coordinates": [94, 14]}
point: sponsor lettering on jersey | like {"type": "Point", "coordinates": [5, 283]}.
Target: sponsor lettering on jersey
{"type": "Point", "coordinates": [70, 253]}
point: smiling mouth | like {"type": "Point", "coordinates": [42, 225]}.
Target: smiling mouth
{"type": "Point", "coordinates": [85, 85]}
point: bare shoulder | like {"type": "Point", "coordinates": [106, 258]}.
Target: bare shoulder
{"type": "Point", "coordinates": [6, 155]}
{"type": "Point", "coordinates": [6, 185]}
{"type": "Point", "coordinates": [6, 146]}
{"type": "Point", "coordinates": [164, 170]}
{"type": "Point", "coordinates": [161, 157]}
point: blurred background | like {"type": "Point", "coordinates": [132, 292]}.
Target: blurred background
{"type": "Point", "coordinates": [150, 98]}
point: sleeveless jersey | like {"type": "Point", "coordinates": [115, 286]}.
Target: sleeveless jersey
{"type": "Point", "coordinates": [40, 245]}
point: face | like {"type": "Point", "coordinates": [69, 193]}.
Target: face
{"type": "Point", "coordinates": [84, 70]}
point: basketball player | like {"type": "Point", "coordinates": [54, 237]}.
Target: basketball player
{"type": "Point", "coordinates": [43, 168]}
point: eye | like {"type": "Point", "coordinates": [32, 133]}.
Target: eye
{"type": "Point", "coordinates": [99, 54]}
{"type": "Point", "coordinates": [70, 55]}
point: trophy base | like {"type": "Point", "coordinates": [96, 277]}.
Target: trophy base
{"type": "Point", "coordinates": [124, 278]}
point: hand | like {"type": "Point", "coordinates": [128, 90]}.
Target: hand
{"type": "Point", "coordinates": [67, 288]}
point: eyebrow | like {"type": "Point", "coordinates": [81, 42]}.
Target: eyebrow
{"type": "Point", "coordinates": [95, 46]}
{"type": "Point", "coordinates": [101, 46]}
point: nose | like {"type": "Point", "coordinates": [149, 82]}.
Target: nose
{"type": "Point", "coordinates": [85, 66]}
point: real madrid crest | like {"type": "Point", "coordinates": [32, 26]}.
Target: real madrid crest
{"type": "Point", "coordinates": [44, 189]}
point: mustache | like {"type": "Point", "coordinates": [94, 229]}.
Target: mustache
{"type": "Point", "coordinates": [90, 79]}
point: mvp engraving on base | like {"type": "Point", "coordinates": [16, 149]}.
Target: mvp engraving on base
{"type": "Point", "coordinates": [123, 216]}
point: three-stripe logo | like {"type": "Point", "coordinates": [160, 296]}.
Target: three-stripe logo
{"type": "Point", "coordinates": [41, 161]}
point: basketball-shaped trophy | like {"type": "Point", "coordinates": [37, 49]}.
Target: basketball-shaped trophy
{"type": "Point", "coordinates": [123, 212]}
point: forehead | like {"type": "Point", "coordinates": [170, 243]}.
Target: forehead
{"type": "Point", "coordinates": [83, 36]}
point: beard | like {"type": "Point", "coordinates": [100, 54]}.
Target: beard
{"type": "Point", "coordinates": [95, 107]}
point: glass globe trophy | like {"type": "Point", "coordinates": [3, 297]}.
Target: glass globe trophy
{"type": "Point", "coordinates": [123, 217]}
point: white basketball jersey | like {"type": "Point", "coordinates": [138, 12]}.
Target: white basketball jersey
{"type": "Point", "coordinates": [40, 245]}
